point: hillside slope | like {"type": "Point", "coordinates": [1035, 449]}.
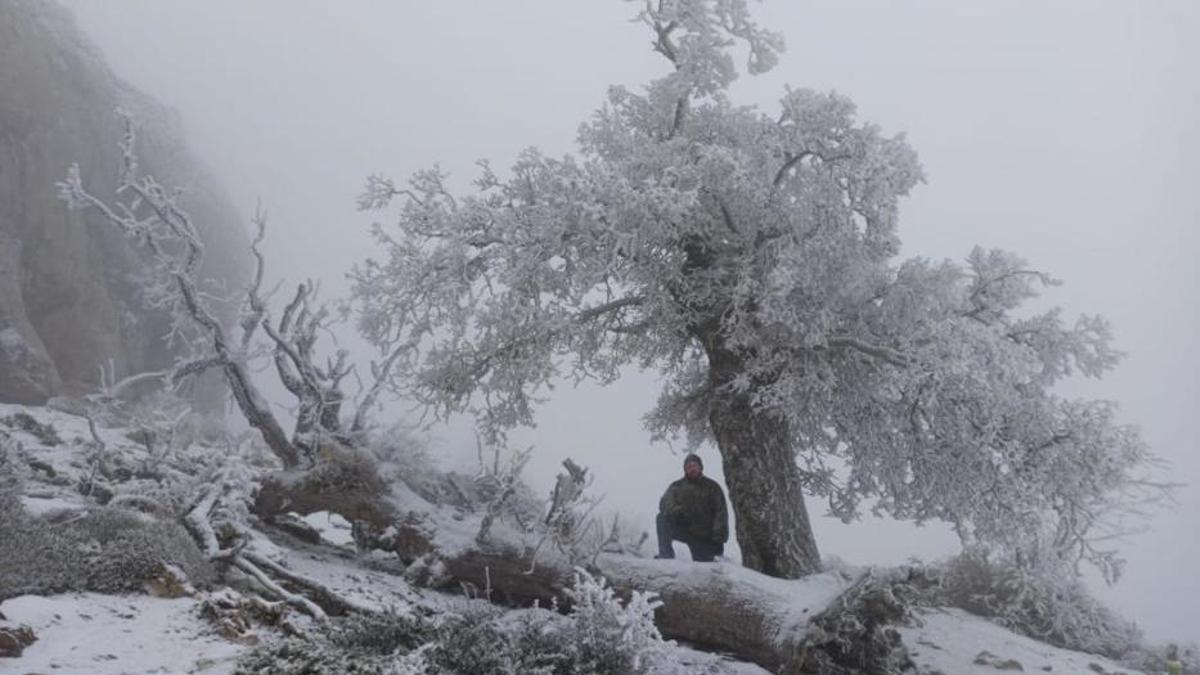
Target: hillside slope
{"type": "Point", "coordinates": [68, 292]}
{"type": "Point", "coordinates": [49, 457]}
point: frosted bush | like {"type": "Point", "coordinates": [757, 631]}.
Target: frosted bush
{"type": "Point", "coordinates": [413, 663]}
{"type": "Point", "coordinates": [133, 548]}
{"type": "Point", "coordinates": [341, 470]}
{"type": "Point", "coordinates": [387, 643]}
{"type": "Point", "coordinates": [404, 457]}
{"type": "Point", "coordinates": [385, 633]}
{"type": "Point", "coordinates": [1048, 605]}
{"type": "Point", "coordinates": [476, 642]}
{"type": "Point", "coordinates": [856, 632]}
{"type": "Point", "coordinates": [10, 479]}
{"type": "Point", "coordinates": [613, 637]}
{"type": "Point", "coordinates": [599, 636]}
{"type": "Point", "coordinates": [236, 480]}
{"type": "Point", "coordinates": [296, 656]}
{"type": "Point", "coordinates": [108, 550]}
{"type": "Point", "coordinates": [46, 434]}
{"type": "Point", "coordinates": [493, 486]}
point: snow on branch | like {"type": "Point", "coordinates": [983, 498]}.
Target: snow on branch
{"type": "Point", "coordinates": [751, 261]}
{"type": "Point", "coordinates": [154, 218]}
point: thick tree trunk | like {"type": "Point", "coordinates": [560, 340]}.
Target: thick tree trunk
{"type": "Point", "coordinates": [258, 413]}
{"type": "Point", "coordinates": [773, 530]}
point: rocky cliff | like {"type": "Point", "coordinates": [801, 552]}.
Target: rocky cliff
{"type": "Point", "coordinates": [68, 300]}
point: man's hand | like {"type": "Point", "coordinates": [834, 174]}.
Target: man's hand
{"type": "Point", "coordinates": [677, 514]}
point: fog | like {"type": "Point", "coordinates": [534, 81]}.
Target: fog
{"type": "Point", "coordinates": [1064, 131]}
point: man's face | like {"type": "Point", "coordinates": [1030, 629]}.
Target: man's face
{"type": "Point", "coordinates": [692, 469]}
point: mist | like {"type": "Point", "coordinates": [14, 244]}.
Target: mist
{"type": "Point", "coordinates": [1064, 132]}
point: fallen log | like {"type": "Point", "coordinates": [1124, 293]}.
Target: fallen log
{"type": "Point", "coordinates": [718, 606]}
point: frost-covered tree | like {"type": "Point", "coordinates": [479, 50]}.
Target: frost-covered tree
{"type": "Point", "coordinates": [750, 258]}
{"type": "Point", "coordinates": [153, 216]}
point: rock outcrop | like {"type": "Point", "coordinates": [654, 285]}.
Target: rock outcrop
{"type": "Point", "coordinates": [14, 640]}
{"type": "Point", "coordinates": [68, 291]}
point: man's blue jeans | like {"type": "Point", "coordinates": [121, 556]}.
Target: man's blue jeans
{"type": "Point", "coordinates": [702, 550]}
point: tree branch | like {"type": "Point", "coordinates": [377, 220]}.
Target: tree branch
{"type": "Point", "coordinates": [787, 166]}
{"type": "Point", "coordinates": [879, 352]}
{"type": "Point", "coordinates": [793, 160]}
{"type": "Point", "coordinates": [176, 224]}
{"type": "Point", "coordinates": [325, 597]}
{"type": "Point", "coordinates": [300, 602]}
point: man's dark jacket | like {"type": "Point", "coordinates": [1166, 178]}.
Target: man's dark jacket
{"type": "Point", "coordinates": [697, 506]}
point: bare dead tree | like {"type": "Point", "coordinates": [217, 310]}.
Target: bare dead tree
{"type": "Point", "coordinates": [317, 389]}
{"type": "Point", "coordinates": [152, 216]}
{"type": "Point", "coordinates": [505, 486]}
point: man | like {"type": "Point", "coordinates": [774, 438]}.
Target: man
{"type": "Point", "coordinates": [692, 510]}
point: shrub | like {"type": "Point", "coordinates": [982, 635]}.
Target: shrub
{"type": "Point", "coordinates": [475, 642]}
{"type": "Point", "coordinates": [134, 547]}
{"type": "Point", "coordinates": [1052, 606]}
{"type": "Point", "coordinates": [107, 550]}
{"type": "Point", "coordinates": [305, 657]}
{"type": "Point", "coordinates": [342, 470]}
{"type": "Point", "coordinates": [545, 644]}
{"type": "Point", "coordinates": [384, 634]}
{"type": "Point", "coordinates": [413, 663]}
{"type": "Point", "coordinates": [407, 458]}
{"type": "Point", "coordinates": [36, 557]}
{"type": "Point", "coordinates": [367, 644]}
{"type": "Point", "coordinates": [856, 632]}
{"type": "Point", "coordinates": [10, 479]}
{"type": "Point", "coordinates": [600, 636]}
{"type": "Point", "coordinates": [45, 433]}
{"type": "Point", "coordinates": [615, 638]}
{"type": "Point", "coordinates": [404, 457]}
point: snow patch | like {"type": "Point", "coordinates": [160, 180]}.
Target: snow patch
{"type": "Point", "coordinates": [333, 528]}
{"type": "Point", "coordinates": [369, 589]}
{"type": "Point", "coordinates": [41, 504]}
{"type": "Point", "coordinates": [90, 634]}
{"type": "Point", "coordinates": [955, 641]}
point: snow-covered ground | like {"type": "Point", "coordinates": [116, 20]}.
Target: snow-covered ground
{"type": "Point", "coordinates": [954, 642]}
{"type": "Point", "coordinates": [88, 633]}
{"type": "Point", "coordinates": [85, 633]}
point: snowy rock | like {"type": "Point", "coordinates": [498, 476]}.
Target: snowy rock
{"type": "Point", "coordinates": [170, 582]}
{"type": "Point", "coordinates": [14, 640]}
{"type": "Point", "coordinates": [986, 658]}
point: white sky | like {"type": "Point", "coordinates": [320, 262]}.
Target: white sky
{"type": "Point", "coordinates": [1064, 131]}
